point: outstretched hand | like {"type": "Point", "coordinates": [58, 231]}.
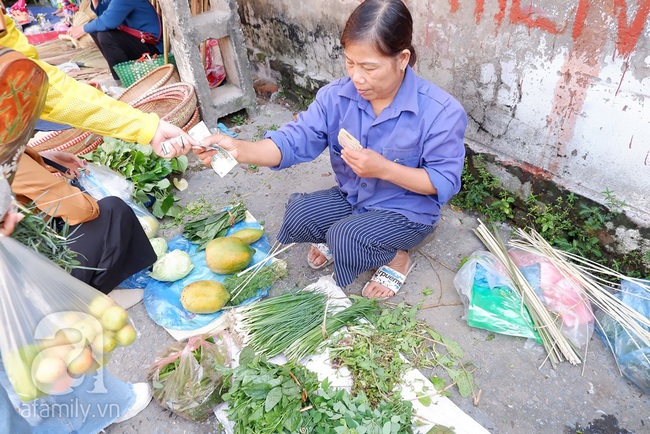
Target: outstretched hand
{"type": "Point", "coordinates": [165, 133]}
{"type": "Point", "coordinates": [221, 140]}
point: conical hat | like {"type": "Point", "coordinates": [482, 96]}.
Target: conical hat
{"type": "Point", "coordinates": [22, 96]}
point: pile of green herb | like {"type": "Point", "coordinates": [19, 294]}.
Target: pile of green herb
{"type": "Point", "coordinates": [297, 322]}
{"type": "Point", "coordinates": [145, 169]}
{"type": "Point", "coordinates": [203, 230]}
{"type": "Point", "coordinates": [248, 284]}
{"type": "Point", "coordinates": [373, 355]}
{"type": "Point", "coordinates": [265, 398]}
{"type": "Point", "coordinates": [39, 232]}
{"type": "Point", "coordinates": [336, 411]}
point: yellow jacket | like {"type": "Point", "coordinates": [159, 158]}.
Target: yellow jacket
{"type": "Point", "coordinates": [82, 106]}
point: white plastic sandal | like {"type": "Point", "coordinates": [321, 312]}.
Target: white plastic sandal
{"type": "Point", "coordinates": [325, 251]}
{"type": "Point", "coordinates": [388, 277]}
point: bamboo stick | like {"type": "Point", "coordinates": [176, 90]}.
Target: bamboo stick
{"type": "Point", "coordinates": [557, 346]}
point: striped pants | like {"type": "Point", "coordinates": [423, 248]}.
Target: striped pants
{"type": "Point", "coordinates": [358, 242]}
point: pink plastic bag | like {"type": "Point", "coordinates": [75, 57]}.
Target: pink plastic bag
{"type": "Point", "coordinates": [560, 294]}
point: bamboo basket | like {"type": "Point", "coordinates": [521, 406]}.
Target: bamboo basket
{"type": "Point", "coordinates": [174, 103]}
{"type": "Point", "coordinates": [156, 79]}
{"type": "Point", "coordinates": [195, 119]}
{"type": "Point", "coordinates": [73, 140]}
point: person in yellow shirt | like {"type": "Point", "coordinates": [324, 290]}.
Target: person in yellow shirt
{"type": "Point", "coordinates": [107, 229]}
{"type": "Point", "coordinates": [107, 234]}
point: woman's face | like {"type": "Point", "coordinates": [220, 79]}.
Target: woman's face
{"type": "Point", "coordinates": [376, 77]}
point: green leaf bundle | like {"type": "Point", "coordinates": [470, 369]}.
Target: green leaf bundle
{"type": "Point", "coordinates": [39, 232]}
{"type": "Point", "coordinates": [265, 398]}
{"type": "Point", "coordinates": [206, 229]}
{"type": "Point", "coordinates": [145, 169]}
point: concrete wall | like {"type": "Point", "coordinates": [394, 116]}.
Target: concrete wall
{"type": "Point", "coordinates": [556, 87]}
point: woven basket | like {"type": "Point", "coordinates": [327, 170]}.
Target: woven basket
{"type": "Point", "coordinates": [73, 140]}
{"type": "Point", "coordinates": [133, 70]}
{"type": "Point", "coordinates": [157, 78]}
{"type": "Point", "coordinates": [174, 103]}
{"type": "Point", "coordinates": [195, 119]}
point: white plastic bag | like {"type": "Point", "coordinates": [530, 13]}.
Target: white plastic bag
{"type": "Point", "coordinates": [100, 182]}
{"type": "Point", "coordinates": [55, 328]}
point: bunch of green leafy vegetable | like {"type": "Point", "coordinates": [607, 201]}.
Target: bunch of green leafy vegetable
{"type": "Point", "coordinates": [265, 398]}
{"type": "Point", "coordinates": [372, 354]}
{"type": "Point", "coordinates": [336, 411]}
{"type": "Point", "coordinates": [203, 230]}
{"type": "Point", "coordinates": [148, 172]}
{"type": "Point", "coordinates": [39, 232]}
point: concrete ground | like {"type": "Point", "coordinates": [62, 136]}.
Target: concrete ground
{"type": "Point", "coordinates": [519, 393]}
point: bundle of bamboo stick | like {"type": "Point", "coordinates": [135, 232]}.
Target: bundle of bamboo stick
{"type": "Point", "coordinates": [595, 283]}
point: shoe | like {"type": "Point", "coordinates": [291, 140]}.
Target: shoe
{"type": "Point", "coordinates": [142, 399]}
{"type": "Point", "coordinates": [126, 298]}
{"type": "Point", "coordinates": [325, 251]}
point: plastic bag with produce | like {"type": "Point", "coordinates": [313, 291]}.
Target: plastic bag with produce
{"type": "Point", "coordinates": [187, 378]}
{"type": "Point", "coordinates": [55, 327]}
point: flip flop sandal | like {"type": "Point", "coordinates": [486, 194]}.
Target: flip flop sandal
{"type": "Point", "coordinates": [325, 251]}
{"type": "Point", "coordinates": [388, 277]}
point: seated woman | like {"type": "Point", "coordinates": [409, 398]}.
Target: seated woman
{"type": "Point", "coordinates": [123, 30]}
{"type": "Point", "coordinates": [392, 180]}
{"type": "Point", "coordinates": [106, 234]}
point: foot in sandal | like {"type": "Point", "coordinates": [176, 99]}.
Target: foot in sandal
{"type": "Point", "coordinates": [319, 256]}
{"type": "Point", "coordinates": [388, 280]}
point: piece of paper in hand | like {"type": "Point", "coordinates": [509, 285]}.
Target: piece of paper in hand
{"type": "Point", "coordinates": [167, 145]}
{"type": "Point", "coordinates": [347, 140]}
{"type": "Point", "coordinates": [222, 162]}
{"type": "Point", "coordinates": [199, 132]}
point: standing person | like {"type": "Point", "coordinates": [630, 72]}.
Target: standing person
{"type": "Point", "coordinates": [123, 30]}
{"type": "Point", "coordinates": [409, 162]}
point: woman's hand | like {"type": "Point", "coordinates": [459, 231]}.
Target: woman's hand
{"type": "Point", "coordinates": [366, 163]}
{"type": "Point", "coordinates": [165, 133]}
{"type": "Point", "coordinates": [76, 32]}
{"type": "Point", "coordinates": [68, 160]}
{"type": "Point", "coordinates": [221, 140]}
{"type": "Point", "coordinates": [9, 222]}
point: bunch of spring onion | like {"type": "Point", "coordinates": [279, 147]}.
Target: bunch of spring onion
{"type": "Point", "coordinates": [296, 323]}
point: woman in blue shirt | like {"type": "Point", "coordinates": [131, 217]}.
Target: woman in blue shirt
{"type": "Point", "coordinates": [123, 30]}
{"type": "Point", "coordinates": [389, 192]}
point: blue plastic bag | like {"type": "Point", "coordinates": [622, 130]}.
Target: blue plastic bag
{"type": "Point", "coordinates": [162, 299]}
{"type": "Point", "coordinates": [632, 357]}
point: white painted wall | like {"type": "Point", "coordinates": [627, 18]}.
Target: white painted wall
{"type": "Point", "coordinates": [556, 87]}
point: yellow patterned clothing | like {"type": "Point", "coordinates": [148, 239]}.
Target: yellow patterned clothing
{"type": "Point", "coordinates": [82, 106]}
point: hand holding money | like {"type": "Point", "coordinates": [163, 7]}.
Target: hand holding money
{"type": "Point", "coordinates": [215, 150]}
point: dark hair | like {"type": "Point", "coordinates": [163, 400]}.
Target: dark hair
{"type": "Point", "coordinates": [386, 23]}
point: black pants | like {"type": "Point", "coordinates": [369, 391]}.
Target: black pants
{"type": "Point", "coordinates": [114, 243]}
{"type": "Point", "coordinates": [118, 46]}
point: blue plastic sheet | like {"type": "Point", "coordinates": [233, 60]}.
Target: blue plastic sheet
{"type": "Point", "coordinates": [162, 299]}
{"type": "Point", "coordinates": [631, 355]}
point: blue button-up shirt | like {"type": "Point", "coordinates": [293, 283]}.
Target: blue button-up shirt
{"type": "Point", "coordinates": [423, 127]}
